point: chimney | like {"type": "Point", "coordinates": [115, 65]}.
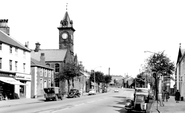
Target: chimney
{"type": "Point", "coordinates": [4, 26]}
{"type": "Point", "coordinates": [37, 48]}
{"type": "Point", "coordinates": [42, 58]}
{"type": "Point", "coordinates": [27, 44]}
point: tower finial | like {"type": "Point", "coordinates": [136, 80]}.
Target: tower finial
{"type": "Point", "coordinates": [179, 45]}
{"type": "Point", "coordinates": [66, 6]}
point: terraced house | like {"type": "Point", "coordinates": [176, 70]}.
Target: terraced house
{"type": "Point", "coordinates": [15, 78]}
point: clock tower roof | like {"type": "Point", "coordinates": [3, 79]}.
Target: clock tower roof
{"type": "Point", "coordinates": [66, 22]}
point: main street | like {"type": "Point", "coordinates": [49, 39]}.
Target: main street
{"type": "Point", "coordinates": [110, 102]}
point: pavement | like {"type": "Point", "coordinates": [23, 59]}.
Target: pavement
{"type": "Point", "coordinates": [14, 102]}
{"type": "Point", "coordinates": [169, 107]}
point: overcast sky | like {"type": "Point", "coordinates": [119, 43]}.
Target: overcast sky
{"type": "Point", "coordinates": [109, 33]}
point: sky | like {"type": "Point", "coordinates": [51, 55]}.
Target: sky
{"type": "Point", "coordinates": [109, 33]}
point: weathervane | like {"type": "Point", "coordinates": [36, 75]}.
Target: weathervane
{"type": "Point", "coordinates": [66, 6]}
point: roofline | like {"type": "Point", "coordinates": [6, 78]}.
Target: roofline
{"type": "Point", "coordinates": [34, 65]}
{"type": "Point", "coordinates": [16, 46]}
{"type": "Point", "coordinates": [66, 28]}
{"type": "Point", "coordinates": [24, 48]}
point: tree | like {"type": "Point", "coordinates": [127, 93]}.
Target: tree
{"type": "Point", "coordinates": [99, 77]}
{"type": "Point", "coordinates": [108, 79]}
{"type": "Point", "coordinates": [160, 65]}
{"type": "Point", "coordinates": [144, 78]}
{"type": "Point", "coordinates": [69, 72]}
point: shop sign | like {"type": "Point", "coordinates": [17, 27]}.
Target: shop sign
{"type": "Point", "coordinates": [22, 77]}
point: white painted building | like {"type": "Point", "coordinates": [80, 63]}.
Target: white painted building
{"type": "Point", "coordinates": [15, 78]}
{"type": "Point", "coordinates": [180, 72]}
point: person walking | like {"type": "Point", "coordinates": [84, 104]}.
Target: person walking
{"type": "Point", "coordinates": [160, 99]}
{"type": "Point", "coordinates": [167, 95]}
{"type": "Point", "coordinates": [177, 96]}
{"type": "Point", "coordinates": [163, 95]}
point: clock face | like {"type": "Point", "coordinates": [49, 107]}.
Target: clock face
{"type": "Point", "coordinates": [64, 35]}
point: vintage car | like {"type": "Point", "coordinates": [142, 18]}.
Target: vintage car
{"type": "Point", "coordinates": [53, 93]}
{"type": "Point", "coordinates": [73, 93]}
{"type": "Point", "coordinates": [139, 103]}
{"type": "Point", "coordinates": [92, 92]}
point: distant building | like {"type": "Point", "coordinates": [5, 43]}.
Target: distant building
{"type": "Point", "coordinates": [117, 80]}
{"type": "Point", "coordinates": [128, 82]}
{"type": "Point", "coordinates": [15, 78]}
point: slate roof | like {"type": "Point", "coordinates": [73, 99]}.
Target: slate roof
{"type": "Point", "coordinates": [50, 54]}
{"type": "Point", "coordinates": [35, 62]}
{"type": "Point", "coordinates": [4, 38]}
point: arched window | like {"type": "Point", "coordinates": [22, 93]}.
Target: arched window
{"type": "Point", "coordinates": [48, 64]}
{"type": "Point", "coordinates": [57, 67]}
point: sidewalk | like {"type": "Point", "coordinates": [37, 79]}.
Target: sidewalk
{"type": "Point", "coordinates": [7, 103]}
{"type": "Point", "coordinates": [169, 107]}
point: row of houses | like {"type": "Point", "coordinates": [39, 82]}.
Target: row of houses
{"type": "Point", "coordinates": [25, 72]}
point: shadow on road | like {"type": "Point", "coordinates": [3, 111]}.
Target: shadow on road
{"type": "Point", "coordinates": [119, 97]}
{"type": "Point", "coordinates": [120, 104]}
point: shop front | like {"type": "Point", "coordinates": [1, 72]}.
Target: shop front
{"type": "Point", "coordinates": [7, 86]}
{"type": "Point", "coordinates": [24, 91]}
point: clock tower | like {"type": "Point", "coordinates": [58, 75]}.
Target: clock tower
{"type": "Point", "coordinates": [66, 33]}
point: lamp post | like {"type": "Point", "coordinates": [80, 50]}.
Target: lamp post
{"type": "Point", "coordinates": [95, 77]}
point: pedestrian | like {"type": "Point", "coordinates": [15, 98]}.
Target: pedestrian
{"type": "Point", "coordinates": [167, 95]}
{"type": "Point", "coordinates": [163, 95]}
{"type": "Point", "coordinates": [177, 96]}
{"type": "Point", "coordinates": [160, 99]}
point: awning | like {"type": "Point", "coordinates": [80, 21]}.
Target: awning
{"type": "Point", "coordinates": [11, 81]}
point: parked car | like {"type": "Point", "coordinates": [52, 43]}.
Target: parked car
{"type": "Point", "coordinates": [104, 90]}
{"type": "Point", "coordinates": [92, 92]}
{"type": "Point", "coordinates": [139, 103]}
{"type": "Point", "coordinates": [73, 93]}
{"type": "Point", "coordinates": [53, 93]}
{"type": "Point", "coordinates": [116, 90]}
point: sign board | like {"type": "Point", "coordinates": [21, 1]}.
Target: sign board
{"type": "Point", "coordinates": [22, 76]}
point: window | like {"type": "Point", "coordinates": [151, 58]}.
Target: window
{"type": "Point", "coordinates": [48, 64]}
{"type": "Point", "coordinates": [45, 73]}
{"type": "Point", "coordinates": [41, 83]}
{"type": "Point", "coordinates": [10, 49]}
{"type": "Point", "coordinates": [41, 72]}
{"type": "Point", "coordinates": [0, 63]}
{"type": "Point", "coordinates": [49, 73]}
{"type": "Point", "coordinates": [45, 84]}
{"type": "Point", "coordinates": [15, 65]}
{"type": "Point", "coordinates": [24, 67]}
{"type": "Point", "coordinates": [57, 67]}
{"type": "Point", "coordinates": [10, 63]}
{"type": "Point", "coordinates": [0, 46]}
{"type": "Point", "coordinates": [49, 83]}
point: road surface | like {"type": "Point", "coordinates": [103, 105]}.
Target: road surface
{"type": "Point", "coordinates": [110, 102]}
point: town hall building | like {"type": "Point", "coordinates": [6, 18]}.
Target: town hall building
{"type": "Point", "coordinates": [56, 58]}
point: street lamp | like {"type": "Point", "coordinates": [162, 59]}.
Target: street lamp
{"type": "Point", "coordinates": [95, 77]}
